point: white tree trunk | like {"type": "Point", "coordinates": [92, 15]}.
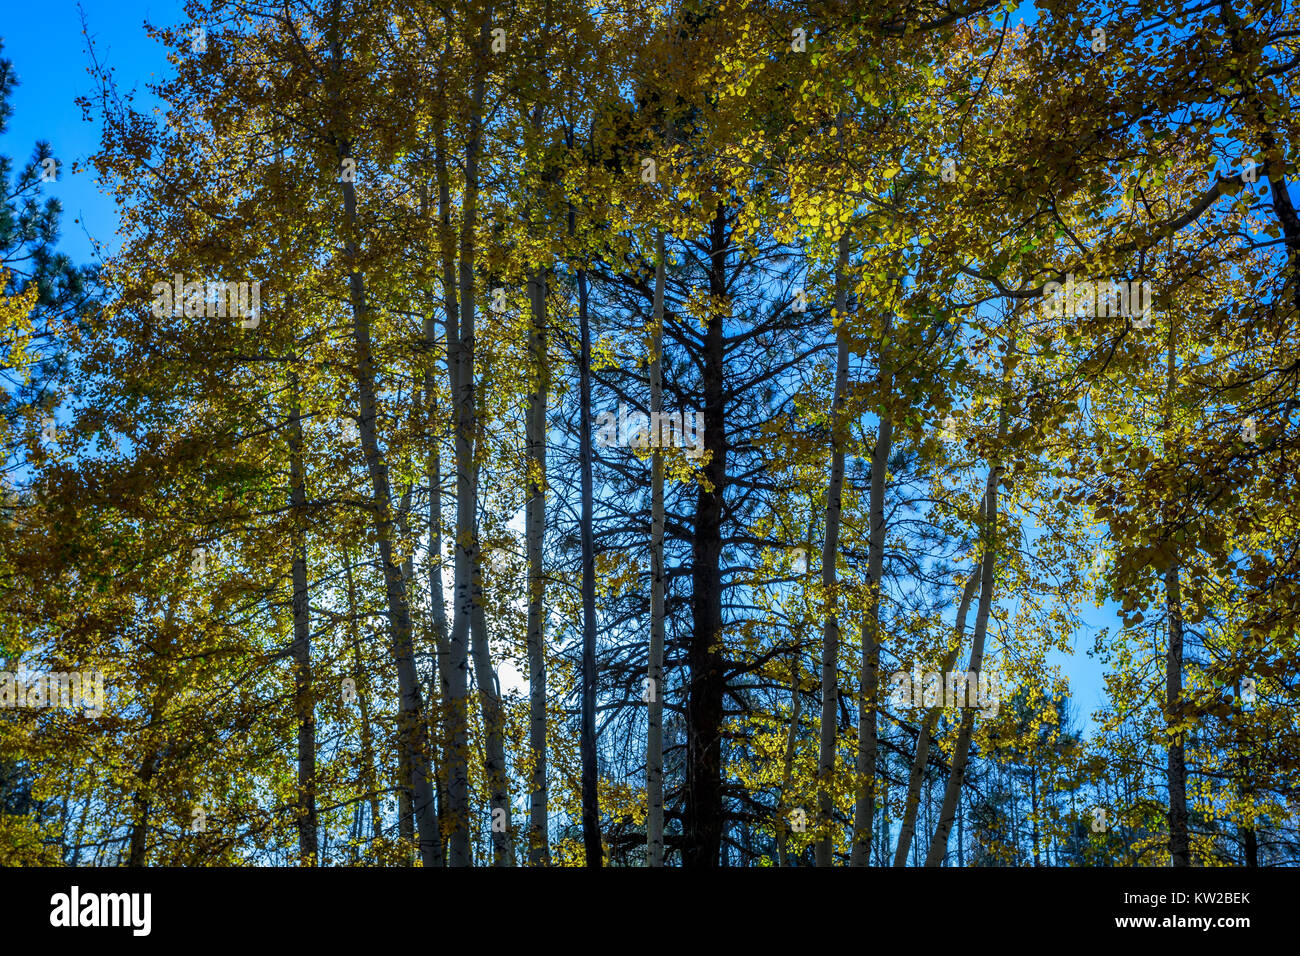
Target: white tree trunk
{"type": "Point", "coordinates": [957, 770]}
{"type": "Point", "coordinates": [922, 754]}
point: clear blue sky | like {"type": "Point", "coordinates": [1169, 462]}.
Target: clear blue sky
{"type": "Point", "coordinates": [45, 43]}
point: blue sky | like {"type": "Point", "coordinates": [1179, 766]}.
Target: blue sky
{"type": "Point", "coordinates": [45, 43]}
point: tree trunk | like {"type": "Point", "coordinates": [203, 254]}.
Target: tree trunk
{"type": "Point", "coordinates": [923, 736]}
{"type": "Point", "coordinates": [1253, 105]}
{"type": "Point", "coordinates": [535, 521]}
{"type": "Point", "coordinates": [438, 685]}
{"type": "Point", "coordinates": [824, 855]}
{"type": "Point", "coordinates": [787, 767]}
{"type": "Point", "coordinates": [436, 638]}
{"type": "Point", "coordinates": [140, 803]}
{"type": "Point", "coordinates": [883, 842]}
{"type": "Point", "coordinates": [587, 742]}
{"type": "Point", "coordinates": [455, 664]}
{"type": "Point", "coordinates": [304, 704]}
{"type": "Point", "coordinates": [654, 755]}
{"type": "Point", "coordinates": [1176, 769]}
{"type": "Point", "coordinates": [469, 567]}
{"type": "Point", "coordinates": [961, 835]}
{"type": "Point", "coordinates": [1245, 788]}
{"type": "Point", "coordinates": [363, 698]}
{"type": "Point", "coordinates": [703, 817]}
{"type": "Point", "coordinates": [869, 678]}
{"type": "Point", "coordinates": [412, 733]}
{"type": "Point", "coordinates": [493, 714]}
{"type": "Point", "coordinates": [1176, 765]}
{"type": "Point", "coordinates": [140, 806]}
{"type": "Point", "coordinates": [957, 771]}
{"type": "Point", "coordinates": [1033, 811]}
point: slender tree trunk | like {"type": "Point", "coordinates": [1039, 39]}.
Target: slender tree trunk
{"type": "Point", "coordinates": [925, 806]}
{"type": "Point", "coordinates": [493, 713]}
{"type": "Point", "coordinates": [413, 745]}
{"type": "Point", "coordinates": [1176, 765]}
{"type": "Point", "coordinates": [363, 702]}
{"type": "Point", "coordinates": [1175, 760]}
{"type": "Point", "coordinates": [957, 771]}
{"type": "Point", "coordinates": [304, 704]}
{"type": "Point", "coordinates": [929, 807]}
{"type": "Point", "coordinates": [539, 850]}
{"type": "Point", "coordinates": [825, 849]}
{"type": "Point", "coordinates": [654, 755]}
{"type": "Point", "coordinates": [405, 804]}
{"type": "Point", "coordinates": [703, 817]}
{"type": "Point", "coordinates": [455, 664]}
{"type": "Point", "coordinates": [961, 835]}
{"type": "Point", "coordinates": [869, 679]}
{"type": "Point", "coordinates": [437, 636]}
{"type": "Point", "coordinates": [1252, 103]}
{"type": "Point", "coordinates": [1245, 788]}
{"type": "Point", "coordinates": [438, 639]}
{"type": "Point", "coordinates": [884, 814]}
{"type": "Point", "coordinates": [1015, 826]}
{"type": "Point", "coordinates": [924, 735]}
{"type": "Point", "coordinates": [412, 732]}
{"type": "Point", "coordinates": [1033, 811]}
{"type": "Point", "coordinates": [140, 807]}
{"type": "Point", "coordinates": [141, 804]}
{"type": "Point", "coordinates": [1179, 842]}
{"type": "Point", "coordinates": [354, 832]}
{"type": "Point", "coordinates": [405, 820]}
{"type": "Point", "coordinates": [80, 833]}
{"type": "Point", "coordinates": [535, 521]}
{"type": "Point", "coordinates": [787, 767]}
{"type": "Point", "coordinates": [587, 743]}
{"type": "Point", "coordinates": [927, 730]}
{"type": "Point", "coordinates": [469, 590]}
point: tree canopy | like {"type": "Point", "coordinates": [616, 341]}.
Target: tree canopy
{"type": "Point", "coordinates": [689, 434]}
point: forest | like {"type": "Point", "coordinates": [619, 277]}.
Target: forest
{"type": "Point", "coordinates": [698, 433]}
